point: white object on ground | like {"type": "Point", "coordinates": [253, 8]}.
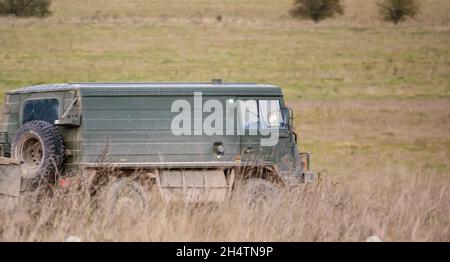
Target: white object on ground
{"type": "Point", "coordinates": [73, 239]}
{"type": "Point", "coordinates": [373, 239]}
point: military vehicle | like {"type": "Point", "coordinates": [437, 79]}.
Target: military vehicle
{"type": "Point", "coordinates": [76, 129]}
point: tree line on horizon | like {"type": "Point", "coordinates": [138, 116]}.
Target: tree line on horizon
{"type": "Point", "coordinates": [393, 11]}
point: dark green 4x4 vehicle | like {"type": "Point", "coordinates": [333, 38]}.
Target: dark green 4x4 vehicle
{"type": "Point", "coordinates": [194, 140]}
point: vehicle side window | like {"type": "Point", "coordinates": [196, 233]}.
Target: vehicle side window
{"type": "Point", "coordinates": [41, 109]}
{"type": "Point", "coordinates": [249, 114]}
{"type": "Point", "coordinates": [270, 114]}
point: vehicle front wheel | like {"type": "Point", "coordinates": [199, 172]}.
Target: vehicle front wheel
{"type": "Point", "coordinates": [258, 191]}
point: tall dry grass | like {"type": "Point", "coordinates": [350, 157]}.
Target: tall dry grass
{"type": "Point", "coordinates": [394, 206]}
{"type": "Point", "coordinates": [384, 159]}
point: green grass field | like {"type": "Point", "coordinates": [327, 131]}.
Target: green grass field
{"type": "Point", "coordinates": [256, 41]}
{"type": "Point", "coordinates": [370, 98]}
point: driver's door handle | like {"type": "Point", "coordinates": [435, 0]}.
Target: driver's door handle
{"type": "Point", "coordinates": [249, 150]}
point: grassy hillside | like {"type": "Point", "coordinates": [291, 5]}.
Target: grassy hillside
{"type": "Point", "coordinates": [355, 56]}
{"type": "Point", "coordinates": [372, 104]}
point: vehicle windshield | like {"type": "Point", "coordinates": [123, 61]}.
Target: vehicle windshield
{"type": "Point", "coordinates": [261, 114]}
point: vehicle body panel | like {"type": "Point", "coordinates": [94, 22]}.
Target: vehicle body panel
{"type": "Point", "coordinates": [128, 125]}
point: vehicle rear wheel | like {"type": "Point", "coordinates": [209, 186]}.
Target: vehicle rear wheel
{"type": "Point", "coordinates": [125, 196]}
{"type": "Point", "coordinates": [39, 145]}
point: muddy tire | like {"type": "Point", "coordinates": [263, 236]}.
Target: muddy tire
{"type": "Point", "coordinates": [257, 191]}
{"type": "Point", "coordinates": [124, 196]}
{"type": "Point", "coordinates": [39, 145]}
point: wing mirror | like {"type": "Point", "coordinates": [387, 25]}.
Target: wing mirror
{"type": "Point", "coordinates": [288, 115]}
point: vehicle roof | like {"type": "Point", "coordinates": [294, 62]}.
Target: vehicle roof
{"type": "Point", "coordinates": [154, 87]}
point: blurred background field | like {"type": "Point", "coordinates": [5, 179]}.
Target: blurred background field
{"type": "Point", "coordinates": [371, 99]}
{"type": "Point", "coordinates": [354, 56]}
